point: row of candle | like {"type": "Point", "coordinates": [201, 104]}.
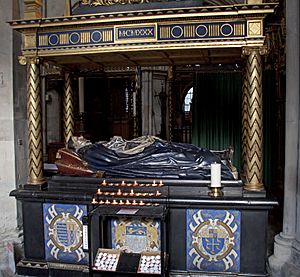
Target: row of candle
{"type": "Point", "coordinates": [121, 202]}
{"type": "Point", "coordinates": [134, 184]}
{"type": "Point", "coordinates": [131, 193]}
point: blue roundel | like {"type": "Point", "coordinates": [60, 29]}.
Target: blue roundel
{"type": "Point", "coordinates": [201, 31]}
{"type": "Point", "coordinates": [53, 39]}
{"type": "Point", "coordinates": [74, 38]}
{"type": "Point", "coordinates": [96, 36]}
{"type": "Point", "coordinates": [177, 31]}
{"type": "Point", "coordinates": [226, 29]}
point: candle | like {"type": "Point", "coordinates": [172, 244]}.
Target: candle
{"type": "Point", "coordinates": [215, 175]}
{"type": "Point", "coordinates": [94, 201]}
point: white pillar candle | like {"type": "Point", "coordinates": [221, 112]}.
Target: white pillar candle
{"type": "Point", "coordinates": [81, 94]}
{"type": "Point", "coordinates": [215, 175]}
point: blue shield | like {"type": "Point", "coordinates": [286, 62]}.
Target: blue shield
{"type": "Point", "coordinates": [213, 245]}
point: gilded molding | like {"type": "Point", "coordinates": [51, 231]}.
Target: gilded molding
{"type": "Point", "coordinates": [255, 28]}
{"type": "Point", "coordinates": [34, 121]}
{"type": "Point", "coordinates": [252, 134]}
{"type": "Point", "coordinates": [68, 108]}
{"type": "Point", "coordinates": [111, 2]}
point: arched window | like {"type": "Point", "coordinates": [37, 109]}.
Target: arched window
{"type": "Point", "coordinates": [188, 101]}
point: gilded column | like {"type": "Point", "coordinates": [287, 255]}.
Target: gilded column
{"type": "Point", "coordinates": [245, 125]}
{"type": "Point", "coordinates": [68, 108]}
{"type": "Point", "coordinates": [34, 121]}
{"type": "Point", "coordinates": [252, 134]}
{"type": "Point", "coordinates": [170, 79]}
{"type": "Point", "coordinates": [134, 102]}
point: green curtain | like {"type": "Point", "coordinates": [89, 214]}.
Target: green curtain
{"type": "Point", "coordinates": [216, 111]}
{"type": "Point", "coordinates": [269, 106]}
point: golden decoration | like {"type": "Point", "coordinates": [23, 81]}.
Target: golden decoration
{"type": "Point", "coordinates": [255, 28]}
{"type": "Point", "coordinates": [252, 134]}
{"type": "Point", "coordinates": [111, 2]}
{"type": "Point", "coordinates": [68, 109]}
{"type": "Point", "coordinates": [134, 102]}
{"type": "Point", "coordinates": [34, 121]}
{"type": "Point", "coordinates": [22, 60]}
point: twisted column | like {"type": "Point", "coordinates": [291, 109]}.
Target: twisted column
{"type": "Point", "coordinates": [68, 109]}
{"type": "Point", "coordinates": [134, 102]}
{"type": "Point", "coordinates": [252, 133]}
{"type": "Point", "coordinates": [170, 79]}
{"type": "Point", "coordinates": [34, 121]}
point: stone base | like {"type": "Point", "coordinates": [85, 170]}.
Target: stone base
{"type": "Point", "coordinates": [292, 267]}
{"type": "Point", "coordinates": [282, 254]}
{"type": "Point", "coordinates": [10, 247]}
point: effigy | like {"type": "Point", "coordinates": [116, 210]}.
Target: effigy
{"type": "Point", "coordinates": [143, 157]}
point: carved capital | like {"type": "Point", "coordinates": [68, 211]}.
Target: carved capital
{"type": "Point", "coordinates": [32, 9]}
{"type": "Point", "coordinates": [262, 50]}
{"type": "Point", "coordinates": [28, 60]}
{"type": "Point", "coordinates": [22, 60]}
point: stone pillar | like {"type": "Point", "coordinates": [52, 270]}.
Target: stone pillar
{"type": "Point", "coordinates": [253, 120]}
{"type": "Point", "coordinates": [34, 121]}
{"type": "Point", "coordinates": [68, 108]}
{"type": "Point", "coordinates": [32, 9]}
{"type": "Point", "coordinates": [8, 143]}
{"type": "Point", "coordinates": [286, 258]}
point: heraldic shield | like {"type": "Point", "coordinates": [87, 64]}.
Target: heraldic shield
{"type": "Point", "coordinates": [213, 240]}
{"type": "Point", "coordinates": [63, 232]}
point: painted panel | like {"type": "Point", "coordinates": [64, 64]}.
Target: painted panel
{"type": "Point", "coordinates": [135, 236]}
{"type": "Point", "coordinates": [63, 231]}
{"type": "Point", "coordinates": [213, 240]}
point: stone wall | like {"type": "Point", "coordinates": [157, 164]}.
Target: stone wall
{"type": "Point", "coordinates": [8, 214]}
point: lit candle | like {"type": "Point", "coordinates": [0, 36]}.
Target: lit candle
{"type": "Point", "coordinates": [94, 201]}
{"type": "Point", "coordinates": [127, 202]}
{"type": "Point", "coordinates": [215, 175]}
{"type": "Point", "coordinates": [119, 192]}
{"type": "Point", "coordinates": [99, 192]}
{"type": "Point", "coordinates": [131, 192]}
